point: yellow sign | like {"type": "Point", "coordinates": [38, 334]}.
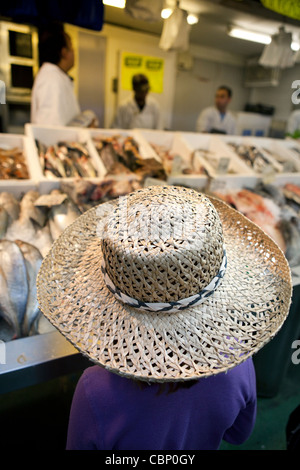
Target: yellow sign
{"type": "Point", "coordinates": [152, 67]}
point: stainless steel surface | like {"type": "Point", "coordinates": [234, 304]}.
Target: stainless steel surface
{"type": "Point", "coordinates": [91, 73]}
{"type": "Point", "coordinates": [36, 359]}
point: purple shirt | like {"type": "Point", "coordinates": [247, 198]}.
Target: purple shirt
{"type": "Point", "coordinates": [110, 412]}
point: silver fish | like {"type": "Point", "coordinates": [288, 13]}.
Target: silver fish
{"type": "Point", "coordinates": [9, 326]}
{"type": "Point", "coordinates": [29, 210]}
{"type": "Point", "coordinates": [43, 239]}
{"type": "Point", "coordinates": [14, 270]}
{"type": "Point", "coordinates": [23, 228]}
{"type": "Point", "coordinates": [28, 230]}
{"type": "Point", "coordinates": [4, 217]}
{"type": "Point", "coordinates": [10, 204]}
{"type": "Point", "coordinates": [61, 216]}
{"type": "Point", "coordinates": [291, 236]}
{"type": "Point", "coordinates": [33, 261]}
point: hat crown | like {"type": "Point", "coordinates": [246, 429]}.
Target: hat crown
{"type": "Point", "coordinates": [163, 244]}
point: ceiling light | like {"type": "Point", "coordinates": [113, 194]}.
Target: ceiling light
{"type": "Point", "coordinates": [166, 13]}
{"type": "Point", "coordinates": [249, 35]}
{"type": "Point", "coordinates": [192, 19]}
{"type": "Point", "coordinates": [115, 3]}
{"type": "Point", "coordinates": [295, 46]}
{"type": "Point", "coordinates": [278, 53]}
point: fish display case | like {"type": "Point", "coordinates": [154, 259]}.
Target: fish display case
{"type": "Point", "coordinates": [31, 349]}
{"type": "Point", "coordinates": [64, 152]}
{"type": "Point", "coordinates": [29, 361]}
{"type": "Point", "coordinates": [18, 161]}
{"type": "Point", "coordinates": [37, 352]}
{"type": "Point", "coordinates": [170, 148]}
{"type": "Point", "coordinates": [268, 158]}
{"type": "Point", "coordinates": [125, 153]}
{"type": "Point", "coordinates": [209, 155]}
{"type": "Point", "coordinates": [119, 137]}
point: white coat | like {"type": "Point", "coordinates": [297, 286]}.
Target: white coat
{"type": "Point", "coordinates": [53, 100]}
{"type": "Point", "coordinates": [129, 116]}
{"type": "Point", "coordinates": [210, 118]}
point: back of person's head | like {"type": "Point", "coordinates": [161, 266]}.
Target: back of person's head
{"type": "Point", "coordinates": [52, 39]}
{"type": "Point", "coordinates": [226, 88]}
{"type": "Point", "coordinates": [166, 387]}
{"type": "Point", "coordinates": [140, 82]}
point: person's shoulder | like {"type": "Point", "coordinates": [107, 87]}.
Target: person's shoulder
{"type": "Point", "coordinates": [241, 373]}
{"type": "Point", "coordinates": [48, 72]}
{"type": "Point", "coordinates": [231, 114]}
{"type": "Point", "coordinates": [93, 372]}
{"type": "Point", "coordinates": [126, 103]}
{"type": "Point", "coordinates": [208, 110]}
{"type": "Point", "coordinates": [99, 382]}
{"type": "Point", "coordinates": [244, 371]}
{"type": "Point", "coordinates": [48, 67]}
{"type": "Point", "coordinates": [152, 101]}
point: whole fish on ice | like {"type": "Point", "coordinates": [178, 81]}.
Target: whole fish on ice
{"type": "Point", "coordinates": [31, 225]}
{"type": "Point", "coordinates": [61, 216]}
{"type": "Point", "coordinates": [14, 284]}
{"type": "Point", "coordinates": [35, 213]}
{"type": "Point", "coordinates": [4, 217]}
{"type": "Point", "coordinates": [10, 204]}
{"type": "Point", "coordinates": [9, 326]}
{"type": "Point", "coordinates": [33, 260]}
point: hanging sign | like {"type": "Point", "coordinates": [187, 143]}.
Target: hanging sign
{"type": "Point", "coordinates": [152, 67]}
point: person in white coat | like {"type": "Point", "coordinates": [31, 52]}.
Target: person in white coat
{"type": "Point", "coordinates": [141, 110]}
{"type": "Point", "coordinates": [53, 100]}
{"type": "Point", "coordinates": [216, 119]}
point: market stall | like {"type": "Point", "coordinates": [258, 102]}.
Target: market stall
{"type": "Point", "coordinates": [66, 171]}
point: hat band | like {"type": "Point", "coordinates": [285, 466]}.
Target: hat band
{"type": "Point", "coordinates": [182, 304]}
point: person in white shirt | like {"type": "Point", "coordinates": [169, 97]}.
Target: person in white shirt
{"type": "Point", "coordinates": [216, 119]}
{"type": "Point", "coordinates": [141, 110]}
{"type": "Point", "coordinates": [53, 100]}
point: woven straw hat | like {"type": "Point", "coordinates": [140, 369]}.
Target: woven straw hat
{"type": "Point", "coordinates": [165, 284]}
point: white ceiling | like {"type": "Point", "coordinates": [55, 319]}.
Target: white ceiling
{"type": "Point", "coordinates": [214, 18]}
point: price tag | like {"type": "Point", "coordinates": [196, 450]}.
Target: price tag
{"type": "Point", "coordinates": [223, 165]}
{"type": "Point", "coordinates": [288, 167]}
{"type": "Point", "coordinates": [177, 165]}
{"type": "Point", "coordinates": [268, 174]}
{"type": "Point", "coordinates": [217, 185]}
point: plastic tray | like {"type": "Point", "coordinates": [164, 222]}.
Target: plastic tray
{"type": "Point", "coordinates": [228, 162]}
{"type": "Point", "coordinates": [50, 135]}
{"type": "Point", "coordinates": [31, 159]}
{"type": "Point", "coordinates": [145, 150]}
{"type": "Point", "coordinates": [275, 150]}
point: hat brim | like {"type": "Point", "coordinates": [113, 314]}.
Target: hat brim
{"type": "Point", "coordinates": [244, 313]}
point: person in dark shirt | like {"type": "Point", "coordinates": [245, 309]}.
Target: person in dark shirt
{"type": "Point", "coordinates": [169, 293]}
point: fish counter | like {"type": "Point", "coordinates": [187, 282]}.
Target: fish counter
{"type": "Point", "coordinates": [66, 171]}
